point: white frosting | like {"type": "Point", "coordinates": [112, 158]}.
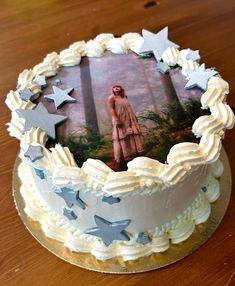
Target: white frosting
{"type": "Point", "coordinates": [103, 39]}
{"type": "Point", "coordinates": [170, 56]}
{"type": "Point", "coordinates": [94, 49]}
{"type": "Point", "coordinates": [79, 47]}
{"type": "Point", "coordinates": [212, 96]}
{"type": "Point", "coordinates": [25, 81]}
{"type": "Point", "coordinates": [13, 101]}
{"type": "Point", "coordinates": [117, 46]}
{"type": "Point", "coordinates": [219, 83]}
{"type": "Point", "coordinates": [69, 57]}
{"type": "Point", "coordinates": [133, 41]}
{"type": "Point", "coordinates": [189, 65]}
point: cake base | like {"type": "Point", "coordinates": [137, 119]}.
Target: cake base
{"type": "Point", "coordinates": [116, 265]}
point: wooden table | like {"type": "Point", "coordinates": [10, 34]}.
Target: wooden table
{"type": "Point", "coordinates": [30, 30]}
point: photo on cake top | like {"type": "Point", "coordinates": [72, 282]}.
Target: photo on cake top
{"type": "Point", "coordinates": [124, 108]}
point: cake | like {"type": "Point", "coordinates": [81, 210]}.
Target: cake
{"type": "Point", "coordinates": [119, 143]}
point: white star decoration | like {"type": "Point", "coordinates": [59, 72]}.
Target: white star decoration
{"type": "Point", "coordinates": [60, 96]}
{"type": "Point", "coordinates": [157, 43]}
{"type": "Point", "coordinates": [199, 78]}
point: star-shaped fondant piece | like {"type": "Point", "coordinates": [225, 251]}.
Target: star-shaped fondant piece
{"type": "Point", "coordinates": [193, 55]}
{"type": "Point", "coordinates": [109, 231]}
{"type": "Point", "coordinates": [69, 213]}
{"type": "Point", "coordinates": [71, 197]}
{"type": "Point", "coordinates": [199, 78]}
{"type": "Point", "coordinates": [27, 94]}
{"type": "Point", "coordinates": [40, 80]}
{"type": "Point", "coordinates": [39, 117]}
{"type": "Point", "coordinates": [58, 82]}
{"type": "Point", "coordinates": [60, 96]}
{"type": "Point", "coordinates": [34, 153]}
{"type": "Point", "coordinates": [162, 67]}
{"type": "Point", "coordinates": [157, 43]}
{"type": "Point", "coordinates": [111, 200]}
{"type": "Point", "coordinates": [143, 238]}
{"type": "Point", "coordinates": [39, 173]}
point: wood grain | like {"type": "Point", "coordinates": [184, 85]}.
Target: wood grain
{"type": "Point", "coordinates": [30, 30]}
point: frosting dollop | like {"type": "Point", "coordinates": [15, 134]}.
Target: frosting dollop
{"type": "Point", "coordinates": [170, 56]}
{"type": "Point", "coordinates": [69, 57]}
{"type": "Point", "coordinates": [94, 49]}
{"type": "Point", "coordinates": [117, 46]}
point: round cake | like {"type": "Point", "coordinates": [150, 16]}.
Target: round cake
{"type": "Point", "coordinates": [119, 143]}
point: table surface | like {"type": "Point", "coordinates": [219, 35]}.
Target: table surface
{"type": "Point", "coordinates": [30, 30]}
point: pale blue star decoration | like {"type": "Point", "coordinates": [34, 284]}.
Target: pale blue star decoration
{"type": "Point", "coordinates": [71, 197]}
{"type": "Point", "coordinates": [193, 55]}
{"type": "Point", "coordinates": [109, 231]}
{"type": "Point", "coordinates": [39, 117]}
{"type": "Point", "coordinates": [199, 78]}
{"type": "Point", "coordinates": [40, 80]}
{"type": "Point", "coordinates": [69, 213]}
{"type": "Point", "coordinates": [39, 173]}
{"type": "Point", "coordinates": [34, 153]}
{"type": "Point", "coordinates": [111, 200]}
{"type": "Point", "coordinates": [163, 67]}
{"type": "Point", "coordinates": [143, 238]}
{"type": "Point", "coordinates": [60, 96]}
{"type": "Point", "coordinates": [156, 43]}
{"type": "Point", "coordinates": [27, 94]}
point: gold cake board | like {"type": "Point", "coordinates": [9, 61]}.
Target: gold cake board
{"type": "Point", "coordinates": [116, 265]}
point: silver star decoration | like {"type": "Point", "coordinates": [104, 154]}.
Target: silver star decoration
{"type": "Point", "coordinates": [39, 173]}
{"type": "Point", "coordinates": [34, 153]}
{"type": "Point", "coordinates": [163, 67]}
{"type": "Point", "coordinates": [143, 238]}
{"type": "Point", "coordinates": [27, 94]}
{"type": "Point", "coordinates": [58, 82]}
{"type": "Point", "coordinates": [193, 55]}
{"type": "Point", "coordinates": [60, 96]}
{"type": "Point", "coordinates": [157, 43]}
{"type": "Point", "coordinates": [39, 117]}
{"type": "Point", "coordinates": [40, 80]}
{"type": "Point", "coordinates": [71, 197]}
{"type": "Point", "coordinates": [199, 78]}
{"type": "Point", "coordinates": [111, 200]}
{"type": "Point", "coordinates": [70, 214]}
{"type": "Point", "coordinates": [109, 231]}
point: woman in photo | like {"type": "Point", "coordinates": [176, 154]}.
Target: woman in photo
{"type": "Point", "coordinates": [127, 138]}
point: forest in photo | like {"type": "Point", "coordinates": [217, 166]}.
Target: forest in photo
{"type": "Point", "coordinates": [165, 110]}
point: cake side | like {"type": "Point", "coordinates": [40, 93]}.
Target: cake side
{"type": "Point", "coordinates": [178, 226]}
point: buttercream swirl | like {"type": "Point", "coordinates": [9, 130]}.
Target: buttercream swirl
{"type": "Point", "coordinates": [189, 65]}
{"type": "Point", "coordinates": [103, 39]}
{"type": "Point", "coordinates": [94, 49]}
{"type": "Point", "coordinates": [79, 47]}
{"type": "Point", "coordinates": [13, 101]}
{"type": "Point", "coordinates": [117, 46]}
{"type": "Point", "coordinates": [212, 96]}
{"type": "Point", "coordinates": [133, 41]}
{"type": "Point", "coordinates": [170, 56]}
{"type": "Point", "coordinates": [186, 153]}
{"type": "Point", "coordinates": [25, 81]}
{"type": "Point", "coordinates": [61, 156]}
{"type": "Point", "coordinates": [69, 57]}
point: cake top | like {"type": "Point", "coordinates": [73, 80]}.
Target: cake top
{"type": "Point", "coordinates": [135, 105]}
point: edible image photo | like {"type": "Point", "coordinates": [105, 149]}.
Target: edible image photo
{"type": "Point", "coordinates": [124, 108]}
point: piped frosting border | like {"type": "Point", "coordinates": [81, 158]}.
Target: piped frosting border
{"type": "Point", "coordinates": [144, 175]}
